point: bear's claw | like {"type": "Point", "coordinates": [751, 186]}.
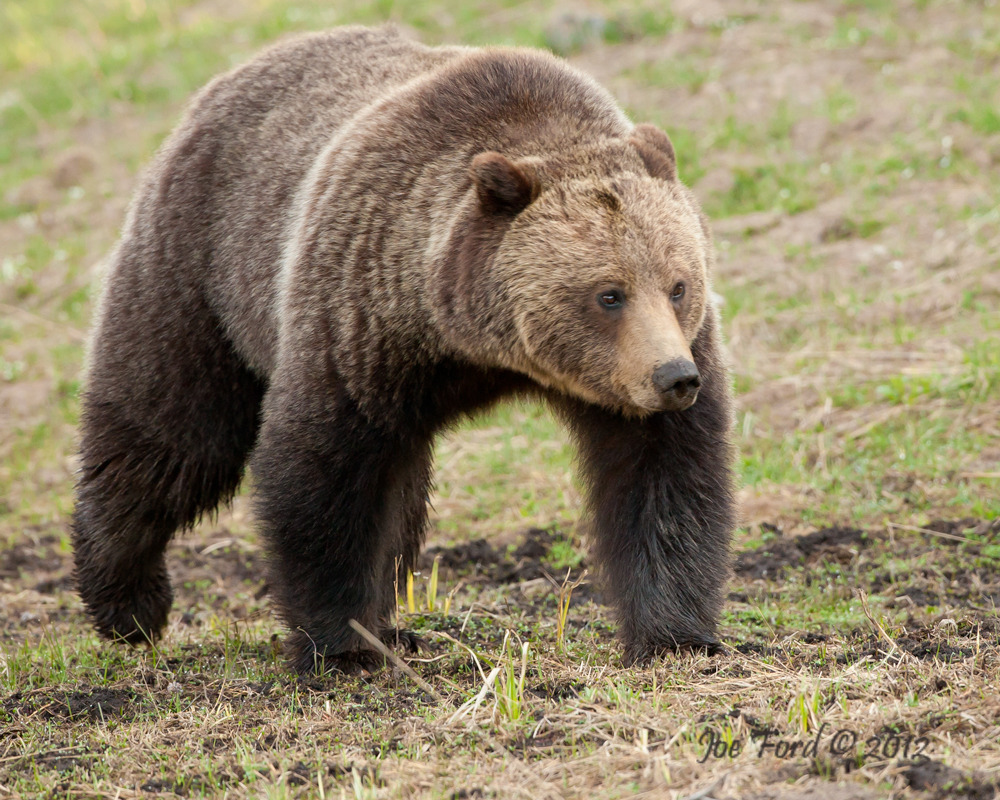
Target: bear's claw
{"type": "Point", "coordinates": [641, 655]}
{"type": "Point", "coordinates": [404, 640]}
{"type": "Point", "coordinates": [305, 658]}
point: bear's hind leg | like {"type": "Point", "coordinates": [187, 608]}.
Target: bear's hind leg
{"type": "Point", "coordinates": [168, 421]}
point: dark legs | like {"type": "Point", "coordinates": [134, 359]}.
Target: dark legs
{"type": "Point", "coordinates": [662, 500]}
{"type": "Point", "coordinates": [340, 500]}
{"type": "Point", "coordinates": [168, 423]}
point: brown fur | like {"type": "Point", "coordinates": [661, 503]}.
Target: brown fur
{"type": "Point", "coordinates": [347, 244]}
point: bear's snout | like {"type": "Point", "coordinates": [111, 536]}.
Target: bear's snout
{"type": "Point", "coordinates": [678, 382]}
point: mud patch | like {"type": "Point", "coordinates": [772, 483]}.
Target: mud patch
{"type": "Point", "coordinates": [934, 651]}
{"type": "Point", "coordinates": [920, 597]}
{"type": "Point", "coordinates": [228, 575]}
{"type": "Point", "coordinates": [64, 760]}
{"type": "Point", "coordinates": [227, 561]}
{"type": "Point", "coordinates": [477, 554]}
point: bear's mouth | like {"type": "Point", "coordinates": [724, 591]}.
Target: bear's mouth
{"type": "Point", "coordinates": [652, 401]}
{"type": "Point", "coordinates": [679, 403]}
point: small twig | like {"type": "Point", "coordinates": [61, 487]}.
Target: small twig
{"type": "Point", "coordinates": [862, 595]}
{"type": "Point", "coordinates": [396, 661]}
{"type": "Point", "coordinates": [915, 529]}
{"type": "Point", "coordinates": [229, 541]}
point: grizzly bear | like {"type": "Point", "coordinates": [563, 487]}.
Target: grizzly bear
{"type": "Point", "coordinates": [349, 244]}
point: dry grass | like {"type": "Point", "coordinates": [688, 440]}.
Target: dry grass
{"type": "Point", "coordinates": [214, 713]}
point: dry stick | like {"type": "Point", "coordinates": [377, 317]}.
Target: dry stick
{"type": "Point", "coordinates": [915, 529]}
{"type": "Point", "coordinates": [397, 662]}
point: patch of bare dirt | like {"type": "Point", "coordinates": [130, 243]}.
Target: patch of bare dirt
{"type": "Point", "coordinates": [28, 559]}
{"type": "Point", "coordinates": [226, 561]}
{"type": "Point", "coordinates": [829, 544]}
{"type": "Point", "coordinates": [85, 703]}
{"type": "Point", "coordinates": [824, 791]}
{"type": "Point", "coordinates": [925, 644]}
{"type": "Point", "coordinates": [480, 561]}
{"type": "Point", "coordinates": [944, 782]}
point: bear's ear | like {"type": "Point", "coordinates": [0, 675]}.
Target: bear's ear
{"type": "Point", "coordinates": [502, 186]}
{"type": "Point", "coordinates": [656, 151]}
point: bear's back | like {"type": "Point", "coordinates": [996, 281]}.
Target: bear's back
{"type": "Point", "coordinates": [275, 115]}
{"type": "Point", "coordinates": [218, 202]}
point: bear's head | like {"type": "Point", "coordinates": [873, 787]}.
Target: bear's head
{"type": "Point", "coordinates": [600, 276]}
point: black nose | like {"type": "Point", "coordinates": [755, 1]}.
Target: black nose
{"type": "Point", "coordinates": [679, 378]}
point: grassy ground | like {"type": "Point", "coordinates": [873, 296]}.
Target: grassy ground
{"type": "Point", "coordinates": [848, 154]}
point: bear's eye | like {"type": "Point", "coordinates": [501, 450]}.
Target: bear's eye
{"type": "Point", "coordinates": [611, 299]}
{"type": "Point", "coordinates": [678, 292]}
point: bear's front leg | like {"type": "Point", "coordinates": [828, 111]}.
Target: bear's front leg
{"type": "Point", "coordinates": [340, 500]}
{"type": "Point", "coordinates": [663, 506]}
